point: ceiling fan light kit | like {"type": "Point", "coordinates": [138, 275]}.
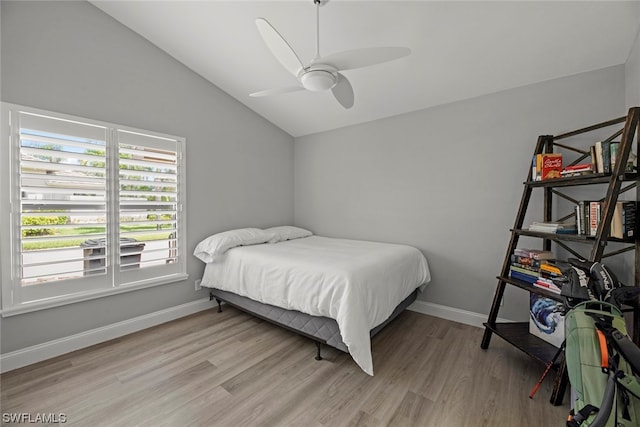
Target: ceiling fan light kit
{"type": "Point", "coordinates": [322, 74]}
{"type": "Point", "coordinates": [318, 80]}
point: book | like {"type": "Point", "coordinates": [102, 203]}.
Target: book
{"type": "Point", "coordinates": [577, 170]}
{"type": "Point", "coordinates": [623, 222]}
{"type": "Point", "coordinates": [573, 230]}
{"type": "Point", "coordinates": [566, 174]}
{"type": "Point", "coordinates": [548, 285]}
{"type": "Point", "coordinates": [526, 261]}
{"type": "Point", "coordinates": [606, 157]}
{"type": "Point", "coordinates": [613, 149]}
{"type": "Point", "coordinates": [534, 274]}
{"type": "Point", "coordinates": [546, 319]}
{"type": "Point", "coordinates": [551, 269]}
{"type": "Point", "coordinates": [553, 227]}
{"type": "Point", "coordinates": [524, 277]}
{"type": "Point", "coordinates": [580, 214]}
{"type": "Point", "coordinates": [598, 153]}
{"type": "Point", "coordinates": [543, 227]}
{"type": "Point", "coordinates": [549, 166]}
{"type": "Point", "coordinates": [527, 268]}
{"type": "Point", "coordinates": [603, 157]}
{"type": "Point", "coordinates": [594, 218]}
{"type": "Point", "coordinates": [530, 264]}
{"type": "Point", "coordinates": [536, 254]}
{"type": "Point", "coordinates": [579, 220]}
{"type": "Point", "coordinates": [629, 219]}
{"type": "Point", "coordinates": [585, 217]}
{"type": "Point", "coordinates": [551, 276]}
{"type": "Point", "coordinates": [579, 167]}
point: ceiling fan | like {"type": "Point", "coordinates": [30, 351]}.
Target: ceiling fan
{"type": "Point", "coordinates": [322, 73]}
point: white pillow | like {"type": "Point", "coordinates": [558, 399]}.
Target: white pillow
{"type": "Point", "coordinates": [217, 244]}
{"type": "Point", "coordinates": [287, 232]}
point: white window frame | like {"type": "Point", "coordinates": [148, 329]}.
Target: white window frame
{"type": "Point", "coordinates": [13, 299]}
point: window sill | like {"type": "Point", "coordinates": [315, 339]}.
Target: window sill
{"type": "Point", "coordinates": [29, 307]}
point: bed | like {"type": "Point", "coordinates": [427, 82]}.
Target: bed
{"type": "Point", "coordinates": [338, 292]}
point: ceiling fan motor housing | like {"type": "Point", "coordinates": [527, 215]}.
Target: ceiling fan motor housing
{"type": "Point", "coordinates": [317, 80]}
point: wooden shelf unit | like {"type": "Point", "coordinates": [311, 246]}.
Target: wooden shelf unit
{"type": "Point", "coordinates": [517, 334]}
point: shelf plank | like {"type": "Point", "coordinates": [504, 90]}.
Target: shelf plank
{"type": "Point", "coordinates": [517, 334]}
{"type": "Point", "coordinates": [594, 178]}
{"type": "Point", "coordinates": [581, 238]}
{"type": "Point", "coordinates": [555, 236]}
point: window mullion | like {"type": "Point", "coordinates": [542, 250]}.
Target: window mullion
{"type": "Point", "coordinates": [15, 296]}
{"type": "Point", "coordinates": [113, 208]}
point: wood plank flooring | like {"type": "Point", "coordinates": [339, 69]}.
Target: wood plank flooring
{"type": "Point", "coordinates": [230, 369]}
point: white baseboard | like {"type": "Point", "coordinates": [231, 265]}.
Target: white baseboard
{"type": "Point", "coordinates": [37, 353]}
{"type": "Point", "coordinates": [451, 313]}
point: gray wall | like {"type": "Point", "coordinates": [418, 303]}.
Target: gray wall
{"type": "Point", "coordinates": [632, 74]}
{"type": "Point", "coordinates": [70, 57]}
{"type": "Point", "coordinates": [632, 99]}
{"type": "Point", "coordinates": [447, 180]}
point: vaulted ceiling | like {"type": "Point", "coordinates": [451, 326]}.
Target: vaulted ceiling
{"type": "Point", "coordinates": [459, 49]}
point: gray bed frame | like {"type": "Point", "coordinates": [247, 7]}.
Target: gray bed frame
{"type": "Point", "coordinates": [322, 330]}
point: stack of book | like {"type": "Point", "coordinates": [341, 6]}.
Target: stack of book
{"type": "Point", "coordinates": [549, 273]}
{"type": "Point", "coordinates": [526, 274]}
{"type": "Point", "coordinates": [604, 156]}
{"type": "Point", "coordinates": [554, 227]}
{"type": "Point", "coordinates": [526, 264]}
{"type": "Point", "coordinates": [577, 170]}
{"type": "Point", "coordinates": [623, 221]}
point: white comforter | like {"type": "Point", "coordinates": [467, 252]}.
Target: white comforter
{"type": "Point", "coordinates": [357, 283]}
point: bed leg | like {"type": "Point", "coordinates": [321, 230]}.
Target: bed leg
{"type": "Point", "coordinates": [318, 347]}
{"type": "Point", "coordinates": [212, 297]}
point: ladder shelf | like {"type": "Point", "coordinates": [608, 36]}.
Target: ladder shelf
{"type": "Point", "coordinates": [517, 334]}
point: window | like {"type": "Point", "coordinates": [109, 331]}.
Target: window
{"type": "Point", "coordinates": [94, 209]}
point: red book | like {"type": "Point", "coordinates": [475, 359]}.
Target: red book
{"type": "Point", "coordinates": [580, 167]}
{"type": "Point", "coordinates": [594, 217]}
{"type": "Point", "coordinates": [550, 165]}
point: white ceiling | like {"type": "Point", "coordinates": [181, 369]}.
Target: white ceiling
{"type": "Point", "coordinates": [459, 49]}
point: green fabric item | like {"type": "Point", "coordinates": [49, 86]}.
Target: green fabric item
{"type": "Point", "coordinates": [583, 360]}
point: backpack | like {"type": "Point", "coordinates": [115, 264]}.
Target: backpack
{"type": "Point", "coordinates": [606, 389]}
{"type": "Point", "coordinates": [603, 364]}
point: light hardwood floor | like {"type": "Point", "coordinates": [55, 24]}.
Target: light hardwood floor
{"type": "Point", "coordinates": [230, 369]}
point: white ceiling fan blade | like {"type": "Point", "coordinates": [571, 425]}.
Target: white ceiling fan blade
{"type": "Point", "coordinates": [276, 91]}
{"type": "Point", "coordinates": [343, 92]}
{"type": "Point", "coordinates": [364, 57]}
{"type": "Point", "coordinates": [279, 47]}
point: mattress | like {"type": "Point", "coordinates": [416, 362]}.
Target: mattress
{"type": "Point", "coordinates": [357, 283]}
